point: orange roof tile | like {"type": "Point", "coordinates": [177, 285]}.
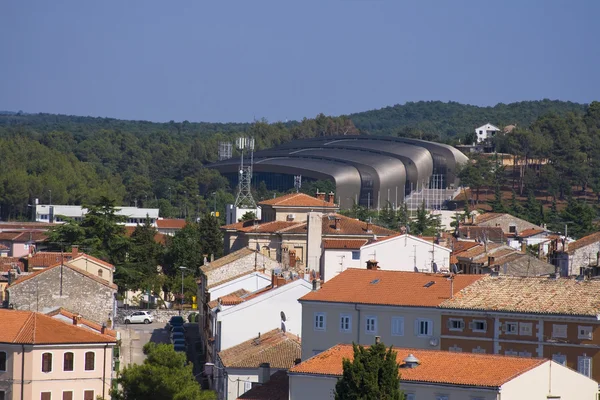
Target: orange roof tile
{"type": "Point", "coordinates": [531, 295]}
{"type": "Point", "coordinates": [78, 270]}
{"type": "Point", "coordinates": [23, 236]}
{"type": "Point", "coordinates": [481, 218]}
{"type": "Point", "coordinates": [530, 232]}
{"type": "Point", "coordinates": [353, 244]}
{"type": "Point", "coordinates": [584, 241]}
{"type": "Point", "coordinates": [436, 367]}
{"type": "Point", "coordinates": [170, 223]}
{"type": "Point", "coordinates": [277, 388]}
{"type": "Point", "coordinates": [82, 321]}
{"type": "Point", "coordinates": [275, 347]}
{"type": "Point", "coordinates": [397, 288]}
{"type": "Point", "coordinates": [230, 299]}
{"type": "Point", "coordinates": [8, 263]}
{"type": "Point", "coordinates": [297, 200]}
{"type": "Point", "coordinates": [463, 245]}
{"type": "Point", "coordinates": [44, 259]}
{"type": "Point", "coordinates": [28, 327]}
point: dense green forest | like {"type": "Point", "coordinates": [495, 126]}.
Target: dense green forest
{"type": "Point", "coordinates": [77, 160]}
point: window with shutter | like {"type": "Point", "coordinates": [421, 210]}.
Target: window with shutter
{"type": "Point", "coordinates": [559, 331]}
{"type": "Point", "coordinates": [67, 396]}
{"type": "Point", "coordinates": [46, 396]}
{"type": "Point", "coordinates": [584, 366]}
{"type": "Point", "coordinates": [478, 326]}
{"type": "Point", "coordinates": [397, 326]}
{"type": "Point", "coordinates": [90, 358]}
{"type": "Point", "coordinates": [423, 327]}
{"type": "Point", "coordinates": [371, 324]}
{"type": "Point", "coordinates": [345, 324]}
{"type": "Point", "coordinates": [2, 361]}
{"type": "Point", "coordinates": [68, 362]}
{"type": "Point", "coordinates": [47, 362]}
{"type": "Point", "coordinates": [88, 395]}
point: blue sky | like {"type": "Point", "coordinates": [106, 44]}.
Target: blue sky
{"type": "Point", "coordinates": [225, 61]}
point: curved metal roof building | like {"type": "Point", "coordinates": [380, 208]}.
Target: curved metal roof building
{"type": "Point", "coordinates": [370, 170]}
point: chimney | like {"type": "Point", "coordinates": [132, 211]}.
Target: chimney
{"type": "Point", "coordinates": [337, 223]}
{"type": "Point", "coordinates": [273, 278]}
{"type": "Point", "coordinates": [103, 329]}
{"type": "Point", "coordinates": [369, 230]}
{"type": "Point", "coordinates": [523, 247]}
{"type": "Point", "coordinates": [468, 232]}
{"type": "Point", "coordinates": [264, 373]}
{"type": "Point", "coordinates": [320, 196]}
{"type": "Point", "coordinates": [297, 361]}
{"type": "Point", "coordinates": [74, 251]}
{"type": "Point", "coordinates": [74, 319]}
{"type": "Point", "coordinates": [316, 284]}
{"type": "Point", "coordinates": [372, 264]}
{"type": "Point", "coordinates": [331, 199]}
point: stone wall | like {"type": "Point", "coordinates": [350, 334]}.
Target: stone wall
{"type": "Point", "coordinates": [583, 257]}
{"type": "Point", "coordinates": [240, 266]}
{"type": "Point", "coordinates": [160, 316]}
{"type": "Point", "coordinates": [80, 294]}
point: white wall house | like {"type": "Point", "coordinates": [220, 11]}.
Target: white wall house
{"type": "Point", "coordinates": [251, 283]}
{"type": "Point", "coordinates": [443, 375]}
{"type": "Point", "coordinates": [406, 253]}
{"type": "Point", "coordinates": [133, 215]}
{"type": "Point", "coordinates": [486, 131]}
{"type": "Point", "coordinates": [261, 313]}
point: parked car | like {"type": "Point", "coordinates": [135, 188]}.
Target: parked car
{"type": "Point", "coordinates": [176, 320]}
{"type": "Point", "coordinates": [139, 317]}
{"type": "Point", "coordinates": [179, 329]}
{"type": "Point", "coordinates": [177, 335]}
{"type": "Point", "coordinates": [179, 347]}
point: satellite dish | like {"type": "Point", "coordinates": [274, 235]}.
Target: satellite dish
{"type": "Point", "coordinates": [283, 316]}
{"type": "Point", "coordinates": [435, 269]}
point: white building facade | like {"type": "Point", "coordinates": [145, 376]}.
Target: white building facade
{"type": "Point", "coordinates": [54, 213]}
{"type": "Point", "coordinates": [485, 132]}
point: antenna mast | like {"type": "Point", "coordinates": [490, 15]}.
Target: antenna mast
{"type": "Point", "coordinates": [244, 197]}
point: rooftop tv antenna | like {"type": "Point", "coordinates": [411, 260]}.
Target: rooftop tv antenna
{"type": "Point", "coordinates": [244, 197]}
{"type": "Point", "coordinates": [297, 182]}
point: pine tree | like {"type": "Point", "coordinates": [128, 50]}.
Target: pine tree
{"type": "Point", "coordinates": [497, 204]}
{"type": "Point", "coordinates": [372, 374]}
{"type": "Point", "coordinates": [425, 223]}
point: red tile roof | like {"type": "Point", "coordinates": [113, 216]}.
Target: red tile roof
{"type": "Point", "coordinates": [28, 327]}
{"type": "Point", "coordinates": [275, 347]}
{"type": "Point", "coordinates": [44, 259]}
{"type": "Point", "coordinates": [436, 367]}
{"type": "Point", "coordinates": [463, 245]}
{"type": "Point", "coordinates": [397, 288]}
{"type": "Point", "coordinates": [530, 232]}
{"type": "Point", "coordinates": [253, 226]}
{"type": "Point", "coordinates": [353, 244]}
{"type": "Point", "coordinates": [8, 263]}
{"type": "Point", "coordinates": [78, 270]}
{"type": "Point", "coordinates": [170, 223]}
{"type": "Point", "coordinates": [81, 321]}
{"type": "Point", "coordinates": [23, 236]}
{"type": "Point", "coordinates": [277, 388]}
{"type": "Point", "coordinates": [230, 299]}
{"type": "Point", "coordinates": [297, 200]}
{"type": "Point", "coordinates": [531, 295]}
{"type": "Point", "coordinates": [584, 241]}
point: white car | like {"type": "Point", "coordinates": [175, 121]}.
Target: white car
{"type": "Point", "coordinates": [139, 317]}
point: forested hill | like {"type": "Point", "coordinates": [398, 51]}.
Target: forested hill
{"type": "Point", "coordinates": [436, 119]}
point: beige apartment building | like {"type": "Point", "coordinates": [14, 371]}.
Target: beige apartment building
{"type": "Point", "coordinates": [43, 358]}
{"type": "Point", "coordinates": [554, 318]}
{"type": "Point", "coordinates": [442, 375]}
{"type": "Point", "coordinates": [360, 304]}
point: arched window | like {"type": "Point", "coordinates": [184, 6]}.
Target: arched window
{"type": "Point", "coordinates": [2, 361]}
{"type": "Point", "coordinates": [68, 362]}
{"type": "Point", "coordinates": [47, 362]}
{"type": "Point", "coordinates": [90, 358]}
{"type": "Point", "coordinates": [100, 272]}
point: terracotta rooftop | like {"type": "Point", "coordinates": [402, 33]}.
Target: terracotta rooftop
{"type": "Point", "coordinates": [297, 200]}
{"type": "Point", "coordinates": [481, 218]}
{"type": "Point", "coordinates": [463, 245]}
{"type": "Point", "coordinates": [73, 268]}
{"type": "Point", "coordinates": [584, 241]}
{"type": "Point", "coordinates": [253, 226]}
{"type": "Point", "coordinates": [436, 367]}
{"type": "Point", "coordinates": [397, 288]}
{"type": "Point", "coordinates": [531, 295]}
{"type": "Point", "coordinates": [15, 225]}
{"type": "Point", "coordinates": [353, 244]}
{"type": "Point", "coordinates": [170, 223]}
{"type": "Point", "coordinates": [530, 232]}
{"type": "Point", "coordinates": [86, 323]}
{"type": "Point", "coordinates": [275, 347]}
{"type": "Point", "coordinates": [44, 259]}
{"type": "Point", "coordinates": [28, 327]}
{"type": "Point", "coordinates": [225, 260]}
{"type": "Point", "coordinates": [230, 299]}
{"type": "Point", "coordinates": [8, 263]}
{"type": "Point", "coordinates": [478, 250]}
{"type": "Point", "coordinates": [277, 388]}
{"type": "Point", "coordinates": [23, 236]}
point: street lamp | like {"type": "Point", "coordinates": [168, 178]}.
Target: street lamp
{"type": "Point", "coordinates": [215, 203]}
{"type": "Point", "coordinates": [182, 268]}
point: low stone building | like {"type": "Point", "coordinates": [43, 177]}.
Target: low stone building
{"type": "Point", "coordinates": [578, 257]}
{"type": "Point", "coordinates": [65, 286]}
